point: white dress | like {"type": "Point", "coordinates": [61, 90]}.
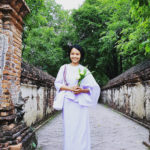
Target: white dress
{"type": "Point", "coordinates": [75, 108]}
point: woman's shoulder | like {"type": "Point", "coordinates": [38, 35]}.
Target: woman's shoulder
{"type": "Point", "coordinates": [62, 67]}
{"type": "Point", "coordinates": [84, 67]}
{"type": "Point", "coordinates": [80, 66]}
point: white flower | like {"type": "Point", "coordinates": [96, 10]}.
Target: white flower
{"type": "Point", "coordinates": [82, 72]}
{"type": "Point", "coordinates": [78, 77]}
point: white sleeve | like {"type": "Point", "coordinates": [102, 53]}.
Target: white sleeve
{"type": "Point", "coordinates": [59, 79]}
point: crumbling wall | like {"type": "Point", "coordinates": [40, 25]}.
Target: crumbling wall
{"type": "Point", "coordinates": [37, 93]}
{"type": "Point", "coordinates": [14, 134]}
{"type": "Point", "coordinates": [130, 92]}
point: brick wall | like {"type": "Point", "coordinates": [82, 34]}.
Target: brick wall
{"type": "Point", "coordinates": [37, 93]}
{"type": "Point", "coordinates": [11, 27]}
{"type": "Point", "coordinates": [26, 93]}
{"type": "Point", "coordinates": [130, 92]}
{"type": "Point", "coordinates": [14, 134]}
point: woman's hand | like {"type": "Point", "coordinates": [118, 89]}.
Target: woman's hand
{"type": "Point", "coordinates": [75, 89]}
{"type": "Point", "coordinates": [78, 90]}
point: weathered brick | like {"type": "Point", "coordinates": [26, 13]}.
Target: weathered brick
{"type": "Point", "coordinates": [17, 37]}
{"type": "Point", "coordinates": [1, 16]}
{"type": "Point", "coordinates": [17, 23]}
{"type": "Point", "coordinates": [8, 118]}
{"type": "Point", "coordinates": [17, 45]}
{"type": "Point", "coordinates": [5, 81]}
{"type": "Point", "coordinates": [17, 41]}
{"type": "Point", "coordinates": [7, 64]}
{"type": "Point", "coordinates": [4, 100]}
{"type": "Point", "coordinates": [16, 57]}
{"type": "Point", "coordinates": [8, 58]}
{"type": "Point", "coordinates": [9, 108]}
{"type": "Point", "coordinates": [7, 26]}
{"type": "Point", "coordinates": [17, 34]}
{"type": "Point", "coordinates": [17, 67]}
{"type": "Point", "coordinates": [16, 147]}
{"type": "Point", "coordinates": [6, 96]}
{"type": "Point", "coordinates": [7, 32]}
{"type": "Point", "coordinates": [17, 62]}
{"type": "Point", "coordinates": [8, 54]}
{"type": "Point", "coordinates": [6, 72]}
{"type": "Point", "coordinates": [13, 22]}
{"type": "Point", "coordinates": [4, 105]}
{"type": "Point", "coordinates": [7, 77]}
{"type": "Point", "coordinates": [17, 83]}
{"type": "Point", "coordinates": [17, 52]}
{"type": "Point", "coordinates": [2, 114]}
{"type": "Point", "coordinates": [5, 86]}
{"type": "Point", "coordinates": [6, 91]}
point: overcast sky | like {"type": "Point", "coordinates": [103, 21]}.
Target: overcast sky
{"type": "Point", "coordinates": [70, 4]}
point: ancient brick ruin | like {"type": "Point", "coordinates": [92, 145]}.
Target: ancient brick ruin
{"type": "Point", "coordinates": [14, 134]}
{"type": "Point", "coordinates": [130, 92]}
{"type": "Point", "coordinates": [37, 93]}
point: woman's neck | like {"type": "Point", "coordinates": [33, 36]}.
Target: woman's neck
{"type": "Point", "coordinates": [74, 64]}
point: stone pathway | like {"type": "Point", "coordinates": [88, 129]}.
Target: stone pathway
{"type": "Point", "coordinates": [109, 131]}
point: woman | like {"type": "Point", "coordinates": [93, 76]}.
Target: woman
{"type": "Point", "coordinates": [77, 99]}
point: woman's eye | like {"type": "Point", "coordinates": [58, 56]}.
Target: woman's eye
{"type": "Point", "coordinates": [74, 54]}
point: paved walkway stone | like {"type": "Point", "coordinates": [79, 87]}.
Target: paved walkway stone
{"type": "Point", "coordinates": [109, 131]}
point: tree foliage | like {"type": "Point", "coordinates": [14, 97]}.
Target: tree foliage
{"type": "Point", "coordinates": [114, 34]}
{"type": "Point", "coordinates": [45, 29]}
{"type": "Point", "coordinates": [114, 37]}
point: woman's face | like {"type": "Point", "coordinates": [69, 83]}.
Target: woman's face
{"type": "Point", "coordinates": [75, 55]}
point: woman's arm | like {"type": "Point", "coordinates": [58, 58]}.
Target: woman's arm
{"type": "Point", "coordinates": [75, 89]}
{"type": "Point", "coordinates": [85, 90]}
{"type": "Point", "coordinates": [66, 88]}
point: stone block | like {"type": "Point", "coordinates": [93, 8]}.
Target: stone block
{"type": "Point", "coordinates": [17, 62]}
{"type": "Point", "coordinates": [16, 147]}
{"type": "Point", "coordinates": [8, 118]}
{"type": "Point", "coordinates": [7, 108]}
{"type": "Point", "coordinates": [6, 72]}
{"type": "Point", "coordinates": [3, 114]}
{"type": "Point", "coordinates": [5, 86]}
{"type": "Point", "coordinates": [5, 81]}
{"type": "Point", "coordinates": [4, 105]}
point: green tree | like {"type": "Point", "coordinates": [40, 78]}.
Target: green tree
{"type": "Point", "coordinates": [115, 39]}
{"type": "Point", "coordinates": [114, 34]}
{"type": "Point", "coordinates": [45, 29]}
{"type": "Point", "coordinates": [90, 21]}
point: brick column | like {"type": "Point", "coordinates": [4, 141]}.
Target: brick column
{"type": "Point", "coordinates": [13, 134]}
{"type": "Point", "coordinates": [11, 27]}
